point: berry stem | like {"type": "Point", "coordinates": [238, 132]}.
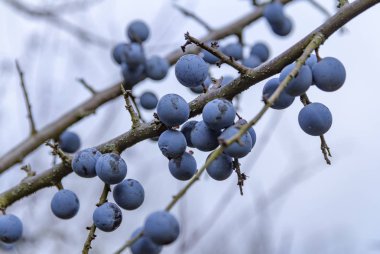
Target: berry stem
{"type": "Point", "coordinates": [91, 234]}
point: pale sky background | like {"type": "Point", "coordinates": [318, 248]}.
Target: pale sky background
{"type": "Point", "coordinates": [320, 209]}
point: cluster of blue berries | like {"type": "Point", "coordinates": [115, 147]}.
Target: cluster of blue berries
{"type": "Point", "coordinates": [217, 125]}
{"type": "Point", "coordinates": [134, 64]}
{"type": "Point", "coordinates": [64, 204]}
{"type": "Point", "coordinates": [131, 56]}
{"type": "Point", "coordinates": [160, 228]}
{"type": "Point", "coordinates": [328, 75]}
{"type": "Point", "coordinates": [277, 20]}
{"type": "Point", "coordinates": [259, 53]}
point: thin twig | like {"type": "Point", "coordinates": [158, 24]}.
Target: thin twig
{"type": "Point", "coordinates": [224, 58]}
{"type": "Point", "coordinates": [134, 116]}
{"type": "Point", "coordinates": [324, 147]}
{"type": "Point", "coordinates": [28, 169]}
{"type": "Point", "coordinates": [33, 130]}
{"type": "Point", "coordinates": [193, 16]}
{"type": "Point", "coordinates": [59, 185]}
{"type": "Point", "coordinates": [87, 86]}
{"type": "Point", "coordinates": [91, 234]}
{"type": "Point", "coordinates": [57, 151]}
{"type": "Point", "coordinates": [241, 176]}
{"type": "Point", "coordinates": [133, 98]}
{"type": "Point", "coordinates": [320, 7]}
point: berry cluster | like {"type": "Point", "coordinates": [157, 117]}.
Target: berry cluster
{"type": "Point", "coordinates": [328, 75]}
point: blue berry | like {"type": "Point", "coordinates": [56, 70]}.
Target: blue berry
{"type": "Point", "coordinates": [132, 75]}
{"type": "Point", "coordinates": [173, 110]}
{"type": "Point", "coordinates": [172, 143]}
{"type": "Point", "coordinates": [129, 194]}
{"type": "Point", "coordinates": [299, 84]}
{"type": "Point", "coordinates": [199, 89]}
{"type": "Point", "coordinates": [239, 148]}
{"type": "Point", "coordinates": [315, 119]}
{"type": "Point", "coordinates": [220, 168]}
{"type": "Point", "coordinates": [251, 131]}
{"type": "Point", "coordinates": [134, 55]}
{"type": "Point", "coordinates": [284, 28]}
{"type": "Point", "coordinates": [204, 138]}
{"type": "Point", "coordinates": [184, 167]}
{"type": "Point", "coordinates": [311, 60]}
{"type": "Point", "coordinates": [208, 57]}
{"type": "Point", "coordinates": [251, 62]}
{"type": "Point", "coordinates": [148, 100]}
{"type": "Point", "coordinates": [118, 53]}
{"type": "Point", "coordinates": [111, 168]}
{"type": "Point", "coordinates": [234, 50]}
{"type": "Point", "coordinates": [69, 142]}
{"type": "Point", "coordinates": [329, 74]}
{"type": "Point", "coordinates": [83, 163]}
{"type": "Point", "coordinates": [65, 204]}
{"type": "Point", "coordinates": [186, 131]}
{"type": "Point", "coordinates": [10, 228]}
{"type": "Point", "coordinates": [274, 13]}
{"type": "Point", "coordinates": [156, 67]}
{"type": "Point", "coordinates": [218, 114]}
{"type": "Point", "coordinates": [107, 217]}
{"type": "Point", "coordinates": [283, 101]}
{"type": "Point", "coordinates": [191, 70]}
{"type": "Point", "coordinates": [138, 31]}
{"type": "Point", "coordinates": [260, 50]}
{"type": "Point", "coordinates": [144, 245]}
{"type": "Point", "coordinates": [162, 227]}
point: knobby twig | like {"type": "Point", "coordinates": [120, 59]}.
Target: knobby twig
{"type": "Point", "coordinates": [91, 234]}
{"type": "Point", "coordinates": [152, 129]}
{"type": "Point", "coordinates": [87, 86]}
{"type": "Point", "coordinates": [223, 58]}
{"type": "Point", "coordinates": [33, 129]}
{"type": "Point", "coordinates": [54, 129]}
{"type": "Point", "coordinates": [57, 151]}
{"type": "Point", "coordinates": [324, 147]}
{"type": "Point", "coordinates": [134, 116]}
{"type": "Point", "coordinates": [133, 99]}
{"type": "Point", "coordinates": [192, 15]}
{"type": "Point", "coordinates": [241, 176]}
{"type": "Point", "coordinates": [28, 169]}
